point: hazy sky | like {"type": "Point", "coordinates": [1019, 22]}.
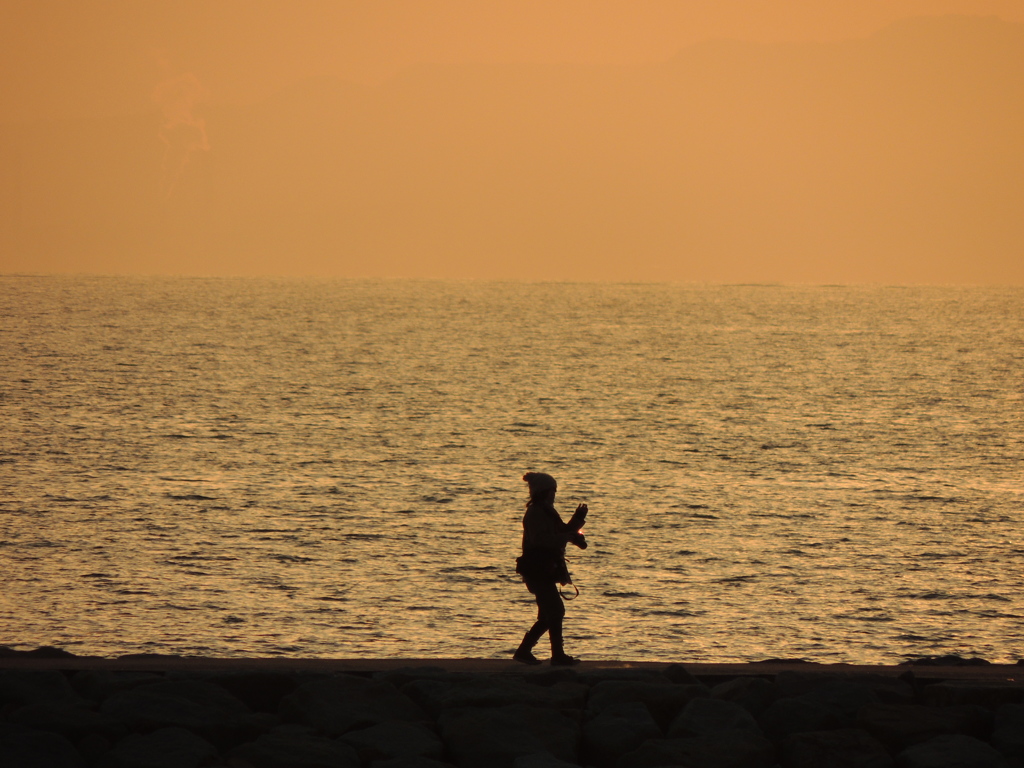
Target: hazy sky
{"type": "Point", "coordinates": [695, 140]}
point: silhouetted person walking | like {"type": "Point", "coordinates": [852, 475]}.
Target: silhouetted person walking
{"type": "Point", "coordinates": [543, 567]}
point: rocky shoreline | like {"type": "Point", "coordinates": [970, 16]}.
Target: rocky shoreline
{"type": "Point", "coordinates": [60, 711]}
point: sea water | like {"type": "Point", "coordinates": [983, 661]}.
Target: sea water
{"type": "Point", "coordinates": [245, 467]}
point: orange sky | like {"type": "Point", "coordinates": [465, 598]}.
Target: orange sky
{"type": "Point", "coordinates": [104, 61]}
{"type": "Point", "coordinates": [82, 58]}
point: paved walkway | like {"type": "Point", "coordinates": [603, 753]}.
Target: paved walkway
{"type": "Point", "coordinates": [990, 673]}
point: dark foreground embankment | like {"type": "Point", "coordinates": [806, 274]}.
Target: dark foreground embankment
{"type": "Point", "coordinates": [165, 712]}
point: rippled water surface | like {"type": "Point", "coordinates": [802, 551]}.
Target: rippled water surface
{"type": "Point", "coordinates": [246, 467]}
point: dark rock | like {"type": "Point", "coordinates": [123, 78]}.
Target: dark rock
{"type": "Point", "coordinates": [541, 760]}
{"type": "Point", "coordinates": [48, 652]}
{"type": "Point", "coordinates": [93, 747]}
{"type": "Point", "coordinates": [341, 703]}
{"type": "Point", "coordinates": [157, 658]}
{"type": "Point", "coordinates": [664, 700]}
{"type": "Point", "coordinates": [69, 720]}
{"type": "Point", "coordinates": [410, 761]}
{"type": "Point", "coordinates": [595, 676]}
{"type": "Point", "coordinates": [26, 748]}
{"type": "Point", "coordinates": [259, 691]}
{"type": "Point", "coordinates": [891, 690]}
{"type": "Point", "coordinates": [604, 693]}
{"type": "Point", "coordinates": [396, 738]}
{"type": "Point", "coordinates": [842, 697]}
{"type": "Point", "coordinates": [96, 685]}
{"type": "Point", "coordinates": [990, 695]}
{"type": "Point", "coordinates": [899, 726]}
{"type": "Point", "coordinates": [679, 675]}
{"type": "Point", "coordinates": [742, 749]}
{"type": "Point", "coordinates": [34, 686]}
{"type": "Point", "coordinates": [494, 738]}
{"type": "Point", "coordinates": [435, 696]}
{"type": "Point", "coordinates": [164, 748]}
{"type": "Point", "coordinates": [43, 652]}
{"type": "Point", "coordinates": [841, 748]}
{"type": "Point", "coordinates": [616, 730]}
{"type": "Point", "coordinates": [195, 705]}
{"type": "Point", "coordinates": [786, 717]}
{"type": "Point", "coordinates": [953, 751]}
{"type": "Point", "coordinates": [706, 717]}
{"type": "Point", "coordinates": [950, 660]}
{"type": "Point", "coordinates": [1008, 731]}
{"type": "Point", "coordinates": [200, 694]}
{"type": "Point", "coordinates": [843, 694]}
{"type": "Point", "coordinates": [521, 718]}
{"type": "Point", "coordinates": [400, 677]}
{"type": "Point", "coordinates": [290, 747]}
{"type": "Point", "coordinates": [792, 683]}
{"type": "Point", "coordinates": [754, 694]}
{"type": "Point", "coordinates": [545, 675]}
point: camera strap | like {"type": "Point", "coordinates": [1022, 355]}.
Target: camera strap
{"type": "Point", "coordinates": [563, 594]}
{"type": "Point", "coordinates": [567, 597]}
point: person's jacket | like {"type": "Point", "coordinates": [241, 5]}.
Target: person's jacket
{"type": "Point", "coordinates": [544, 538]}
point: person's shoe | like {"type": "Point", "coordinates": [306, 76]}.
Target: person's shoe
{"type": "Point", "coordinates": [525, 656]}
{"type": "Point", "coordinates": [524, 653]}
{"type": "Point", "coordinates": [563, 660]}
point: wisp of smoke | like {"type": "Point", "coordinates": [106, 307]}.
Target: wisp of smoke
{"type": "Point", "coordinates": [181, 130]}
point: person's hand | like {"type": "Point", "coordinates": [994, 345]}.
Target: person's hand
{"type": "Point", "coordinates": [582, 510]}
{"type": "Point", "coordinates": [579, 540]}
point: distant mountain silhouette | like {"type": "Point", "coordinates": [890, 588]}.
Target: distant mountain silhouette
{"type": "Point", "coordinates": [827, 162]}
